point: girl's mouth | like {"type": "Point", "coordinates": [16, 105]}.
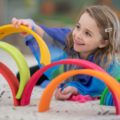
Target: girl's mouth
{"type": "Point", "coordinates": [78, 43]}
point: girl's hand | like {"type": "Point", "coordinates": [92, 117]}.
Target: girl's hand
{"type": "Point", "coordinates": [66, 93]}
{"type": "Point", "coordinates": [27, 22]}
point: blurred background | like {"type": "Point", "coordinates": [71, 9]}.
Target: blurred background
{"type": "Point", "coordinates": [61, 13]}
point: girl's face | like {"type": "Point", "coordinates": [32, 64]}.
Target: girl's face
{"type": "Point", "coordinates": [86, 35]}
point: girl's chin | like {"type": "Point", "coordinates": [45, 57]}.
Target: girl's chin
{"type": "Point", "coordinates": [77, 50]}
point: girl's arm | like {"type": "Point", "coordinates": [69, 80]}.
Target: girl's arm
{"type": "Point", "coordinates": [58, 34]}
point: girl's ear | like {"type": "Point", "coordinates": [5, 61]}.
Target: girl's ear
{"type": "Point", "coordinates": [104, 43]}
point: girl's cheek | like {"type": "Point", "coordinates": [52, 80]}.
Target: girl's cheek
{"type": "Point", "coordinates": [73, 32]}
{"type": "Point", "coordinates": [72, 35]}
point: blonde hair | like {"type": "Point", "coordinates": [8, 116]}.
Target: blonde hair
{"type": "Point", "coordinates": [108, 24]}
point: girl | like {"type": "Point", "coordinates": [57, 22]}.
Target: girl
{"type": "Point", "coordinates": [95, 38]}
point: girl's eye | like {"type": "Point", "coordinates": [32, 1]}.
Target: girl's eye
{"type": "Point", "coordinates": [78, 26]}
{"type": "Point", "coordinates": [88, 34]}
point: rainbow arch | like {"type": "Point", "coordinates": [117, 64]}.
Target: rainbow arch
{"type": "Point", "coordinates": [25, 99]}
{"type": "Point", "coordinates": [6, 30]}
{"type": "Point", "coordinates": [112, 84]}
{"type": "Point", "coordinates": [21, 64]}
{"type": "Point", "coordinates": [12, 81]}
{"type": "Point", "coordinates": [9, 29]}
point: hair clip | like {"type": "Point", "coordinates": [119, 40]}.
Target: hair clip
{"type": "Point", "coordinates": [108, 29]}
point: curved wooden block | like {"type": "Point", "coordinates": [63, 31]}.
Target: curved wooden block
{"type": "Point", "coordinates": [25, 99]}
{"type": "Point", "coordinates": [12, 81]}
{"type": "Point", "coordinates": [112, 84]}
{"type": "Point", "coordinates": [105, 92]}
{"type": "Point", "coordinates": [21, 64]}
{"type": "Point", "coordinates": [9, 29]}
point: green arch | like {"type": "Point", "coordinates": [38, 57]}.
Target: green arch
{"type": "Point", "coordinates": [21, 64]}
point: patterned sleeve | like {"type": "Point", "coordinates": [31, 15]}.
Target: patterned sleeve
{"type": "Point", "coordinates": [58, 34]}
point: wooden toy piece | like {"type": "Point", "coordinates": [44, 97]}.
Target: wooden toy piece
{"type": "Point", "coordinates": [21, 64]}
{"type": "Point", "coordinates": [25, 100]}
{"type": "Point", "coordinates": [12, 81]}
{"type": "Point", "coordinates": [112, 84]}
{"type": "Point", "coordinates": [9, 29]}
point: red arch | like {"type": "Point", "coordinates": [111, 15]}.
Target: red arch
{"type": "Point", "coordinates": [112, 84]}
{"type": "Point", "coordinates": [25, 99]}
{"type": "Point", "coordinates": [12, 81]}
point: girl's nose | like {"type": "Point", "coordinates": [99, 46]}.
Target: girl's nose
{"type": "Point", "coordinates": [78, 35]}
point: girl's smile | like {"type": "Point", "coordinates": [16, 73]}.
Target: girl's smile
{"type": "Point", "coordinates": [77, 42]}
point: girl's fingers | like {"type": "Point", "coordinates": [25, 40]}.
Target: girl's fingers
{"type": "Point", "coordinates": [66, 90]}
{"type": "Point", "coordinates": [59, 95]}
{"type": "Point", "coordinates": [26, 23]}
{"type": "Point", "coordinates": [23, 22]}
{"type": "Point", "coordinates": [64, 96]}
{"type": "Point", "coordinates": [14, 22]}
{"type": "Point", "coordinates": [17, 22]}
{"type": "Point", "coordinates": [70, 89]}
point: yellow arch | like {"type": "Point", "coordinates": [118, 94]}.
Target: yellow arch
{"type": "Point", "coordinates": [9, 29]}
{"type": "Point", "coordinates": [112, 84]}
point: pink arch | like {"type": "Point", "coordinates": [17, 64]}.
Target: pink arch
{"type": "Point", "coordinates": [25, 99]}
{"type": "Point", "coordinates": [12, 81]}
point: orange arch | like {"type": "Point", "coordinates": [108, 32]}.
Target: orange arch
{"type": "Point", "coordinates": [12, 81]}
{"type": "Point", "coordinates": [112, 84]}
